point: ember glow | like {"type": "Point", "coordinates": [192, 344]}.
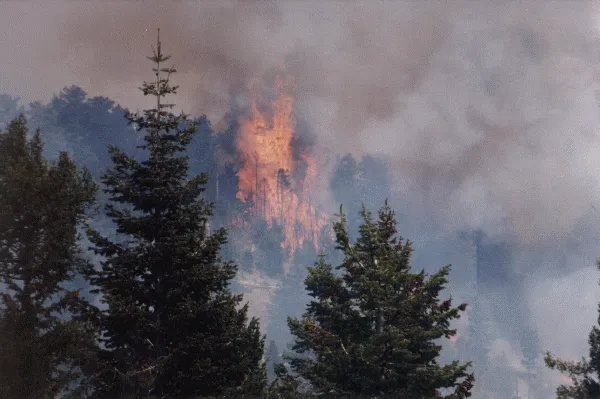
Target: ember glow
{"type": "Point", "coordinates": [267, 177]}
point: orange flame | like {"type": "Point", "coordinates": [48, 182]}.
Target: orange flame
{"type": "Point", "coordinates": [266, 176]}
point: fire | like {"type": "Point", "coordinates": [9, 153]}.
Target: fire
{"type": "Point", "coordinates": [266, 177]}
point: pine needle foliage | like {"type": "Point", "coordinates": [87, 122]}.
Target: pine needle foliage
{"type": "Point", "coordinates": [373, 327]}
{"type": "Point", "coordinates": [42, 206]}
{"type": "Point", "coordinates": [172, 327]}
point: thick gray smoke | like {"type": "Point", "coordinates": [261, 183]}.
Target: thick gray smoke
{"type": "Point", "coordinates": [485, 111]}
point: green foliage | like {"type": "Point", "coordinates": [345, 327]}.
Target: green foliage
{"type": "Point", "coordinates": [284, 386]}
{"type": "Point", "coordinates": [372, 326]}
{"type": "Point", "coordinates": [42, 204]}
{"type": "Point", "coordinates": [585, 374]}
{"type": "Point", "coordinates": [172, 327]}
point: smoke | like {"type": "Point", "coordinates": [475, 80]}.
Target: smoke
{"type": "Point", "coordinates": [485, 111]}
{"type": "Point", "coordinates": [562, 313]}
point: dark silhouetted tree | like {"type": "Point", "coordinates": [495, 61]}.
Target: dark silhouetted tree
{"type": "Point", "coordinates": [372, 327]}
{"type": "Point", "coordinates": [42, 205]}
{"type": "Point", "coordinates": [172, 327]}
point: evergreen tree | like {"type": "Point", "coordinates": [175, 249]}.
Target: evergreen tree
{"type": "Point", "coordinates": [585, 374]}
{"type": "Point", "coordinates": [42, 204]}
{"type": "Point", "coordinates": [372, 325]}
{"type": "Point", "coordinates": [284, 386]}
{"type": "Point", "coordinates": [84, 126]}
{"type": "Point", "coordinates": [172, 327]}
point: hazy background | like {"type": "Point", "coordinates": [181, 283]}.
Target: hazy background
{"type": "Point", "coordinates": [485, 113]}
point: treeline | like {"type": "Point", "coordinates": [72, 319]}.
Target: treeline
{"type": "Point", "coordinates": [146, 308]}
{"type": "Point", "coordinates": [166, 322]}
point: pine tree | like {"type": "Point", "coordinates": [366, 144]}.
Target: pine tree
{"type": "Point", "coordinates": [172, 327]}
{"type": "Point", "coordinates": [371, 327]}
{"type": "Point", "coordinates": [585, 374]}
{"type": "Point", "coordinates": [42, 205]}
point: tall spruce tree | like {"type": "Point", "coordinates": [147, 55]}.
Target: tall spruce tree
{"type": "Point", "coordinates": [172, 327]}
{"type": "Point", "coordinates": [585, 374]}
{"type": "Point", "coordinates": [42, 205]}
{"type": "Point", "coordinates": [372, 327]}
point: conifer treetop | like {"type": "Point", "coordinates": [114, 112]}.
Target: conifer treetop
{"type": "Point", "coordinates": [372, 326]}
{"type": "Point", "coordinates": [172, 326]}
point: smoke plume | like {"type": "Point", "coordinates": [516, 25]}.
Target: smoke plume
{"type": "Point", "coordinates": [486, 112]}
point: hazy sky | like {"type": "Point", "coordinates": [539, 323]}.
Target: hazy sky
{"type": "Point", "coordinates": [486, 111]}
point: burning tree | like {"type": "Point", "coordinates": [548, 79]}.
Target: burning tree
{"type": "Point", "coordinates": [269, 177]}
{"type": "Point", "coordinates": [371, 328]}
{"type": "Point", "coordinates": [172, 327]}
